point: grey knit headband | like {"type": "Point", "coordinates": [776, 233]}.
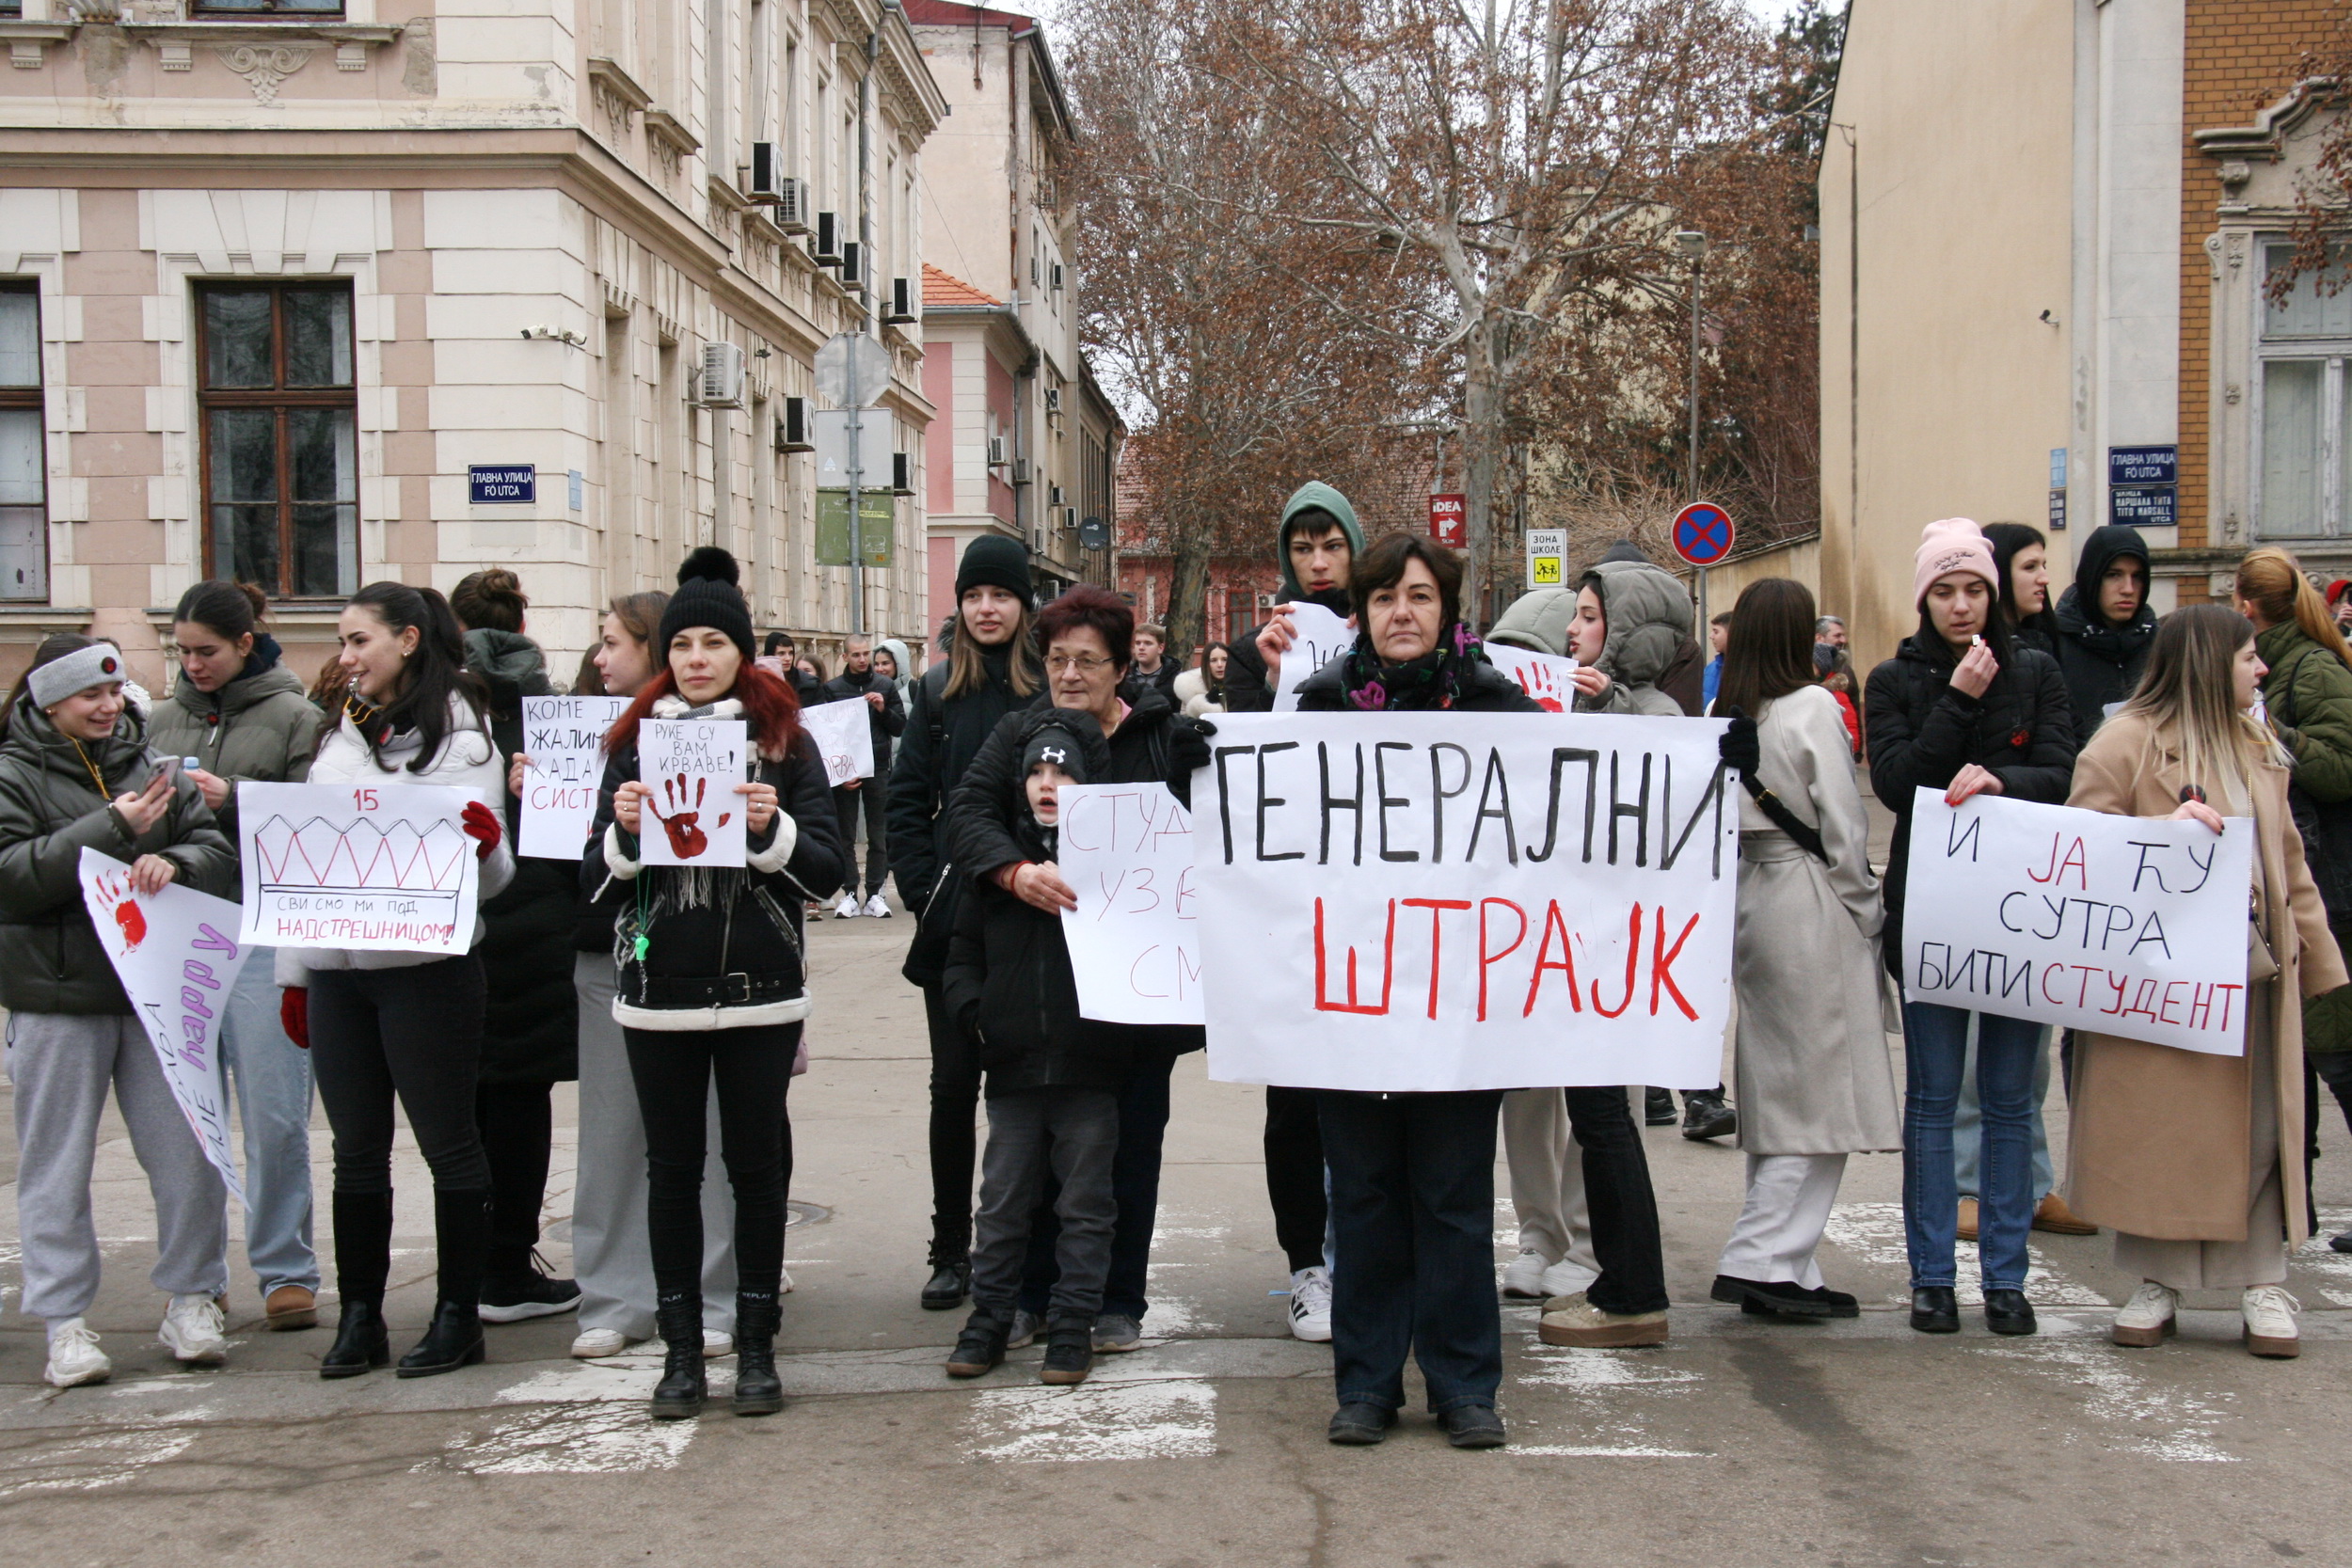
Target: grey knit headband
{"type": "Point", "coordinates": [78, 671]}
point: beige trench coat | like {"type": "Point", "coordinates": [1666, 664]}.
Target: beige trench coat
{"type": "Point", "coordinates": [2158, 1136]}
{"type": "Point", "coordinates": [1809, 1048]}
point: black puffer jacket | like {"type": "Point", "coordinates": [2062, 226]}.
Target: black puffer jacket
{"type": "Point", "coordinates": [1922, 731]}
{"type": "Point", "coordinates": [531, 1026]}
{"type": "Point", "coordinates": [942, 735]}
{"type": "Point", "coordinates": [2101, 663]}
{"type": "Point", "coordinates": [722, 947]}
{"type": "Point", "coordinates": [1010, 984]}
{"type": "Point", "coordinates": [1484, 689]}
{"type": "Point", "coordinates": [985, 816]}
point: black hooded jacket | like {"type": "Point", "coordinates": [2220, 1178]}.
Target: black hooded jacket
{"type": "Point", "coordinates": [1248, 688]}
{"type": "Point", "coordinates": [1922, 730]}
{"type": "Point", "coordinates": [2101, 663]}
{"type": "Point", "coordinates": [1009, 982]}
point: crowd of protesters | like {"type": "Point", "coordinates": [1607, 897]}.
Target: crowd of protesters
{"type": "Point", "coordinates": [676, 997]}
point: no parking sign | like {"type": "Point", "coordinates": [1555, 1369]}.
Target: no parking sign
{"type": "Point", "coordinates": [1703, 533]}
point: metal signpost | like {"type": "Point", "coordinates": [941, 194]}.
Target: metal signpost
{"type": "Point", "coordinates": [1703, 533]}
{"type": "Point", "coordinates": [847, 366]}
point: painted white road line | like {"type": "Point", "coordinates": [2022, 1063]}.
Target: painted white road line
{"type": "Point", "coordinates": [568, 1439]}
{"type": "Point", "coordinates": [2136, 1415]}
{"type": "Point", "coordinates": [1873, 1233]}
{"type": "Point", "coordinates": [92, 1461]}
{"type": "Point", "coordinates": [1174, 1419]}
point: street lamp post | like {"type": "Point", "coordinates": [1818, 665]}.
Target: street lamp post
{"type": "Point", "coordinates": [1692, 244]}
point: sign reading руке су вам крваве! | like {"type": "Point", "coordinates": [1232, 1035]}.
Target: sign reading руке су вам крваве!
{"type": "Point", "coordinates": [1420, 901]}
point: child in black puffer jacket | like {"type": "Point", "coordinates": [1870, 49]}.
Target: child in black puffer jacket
{"type": "Point", "coordinates": [1053, 1078]}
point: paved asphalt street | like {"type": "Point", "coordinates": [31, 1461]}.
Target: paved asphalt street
{"type": "Point", "coordinates": [1857, 1443]}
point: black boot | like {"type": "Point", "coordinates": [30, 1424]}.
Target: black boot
{"type": "Point", "coordinates": [1935, 1310]}
{"type": "Point", "coordinates": [950, 1281]}
{"type": "Point", "coordinates": [1704, 1116]}
{"type": "Point", "coordinates": [758, 1389]}
{"type": "Point", "coordinates": [679, 1394]}
{"type": "Point", "coordinates": [363, 1258]}
{"type": "Point", "coordinates": [461, 1242]}
{"type": "Point", "coordinates": [1068, 1349]}
{"type": "Point", "coordinates": [981, 1345]}
{"type": "Point", "coordinates": [2007, 1312]}
{"type": "Point", "coordinates": [1657, 1108]}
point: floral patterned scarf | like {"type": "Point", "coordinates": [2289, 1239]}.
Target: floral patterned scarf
{"type": "Point", "coordinates": [1431, 682]}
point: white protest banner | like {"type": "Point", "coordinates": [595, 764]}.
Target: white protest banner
{"type": "Point", "coordinates": [1550, 680]}
{"type": "Point", "coordinates": [1394, 902]}
{"type": "Point", "coordinates": [844, 733]}
{"type": "Point", "coordinates": [1127, 850]}
{"type": "Point", "coordinates": [357, 865]}
{"type": "Point", "coordinates": [2077, 918]}
{"type": "Point", "coordinates": [564, 737]}
{"type": "Point", "coordinates": [693, 815]}
{"type": "Point", "coordinates": [1317, 635]}
{"type": "Point", "coordinates": [178, 957]}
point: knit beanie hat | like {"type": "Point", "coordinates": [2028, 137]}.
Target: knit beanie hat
{"type": "Point", "coordinates": [53, 682]}
{"type": "Point", "coordinates": [1953, 545]}
{"type": "Point", "coordinates": [1055, 744]}
{"type": "Point", "coordinates": [993, 561]}
{"type": "Point", "coordinates": [708, 597]}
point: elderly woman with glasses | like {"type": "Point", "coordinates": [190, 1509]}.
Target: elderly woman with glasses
{"type": "Point", "coordinates": [1087, 634]}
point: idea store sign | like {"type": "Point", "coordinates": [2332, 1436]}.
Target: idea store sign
{"type": "Point", "coordinates": [1449, 521]}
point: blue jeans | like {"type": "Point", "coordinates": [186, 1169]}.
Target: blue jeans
{"type": "Point", "coordinates": [1135, 1186]}
{"type": "Point", "coordinates": [1413, 1197]}
{"type": "Point", "coordinates": [1965, 1119]}
{"type": "Point", "coordinates": [1935, 1046]}
{"type": "Point", "coordinates": [272, 1076]}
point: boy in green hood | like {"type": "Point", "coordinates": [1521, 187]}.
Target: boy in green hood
{"type": "Point", "coordinates": [1317, 545]}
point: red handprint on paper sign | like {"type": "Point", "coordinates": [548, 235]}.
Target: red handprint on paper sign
{"type": "Point", "coordinates": [114, 894]}
{"type": "Point", "coordinates": [687, 840]}
{"type": "Point", "coordinates": [1539, 683]}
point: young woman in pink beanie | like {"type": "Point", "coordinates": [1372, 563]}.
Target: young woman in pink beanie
{"type": "Point", "coordinates": [1961, 709]}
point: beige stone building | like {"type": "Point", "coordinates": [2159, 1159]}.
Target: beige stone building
{"type": "Point", "coordinates": [313, 293]}
{"type": "Point", "coordinates": [2046, 229]}
{"type": "Point", "coordinates": [1023, 442]}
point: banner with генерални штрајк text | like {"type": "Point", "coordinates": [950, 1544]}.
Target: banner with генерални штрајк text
{"type": "Point", "coordinates": [2127, 926]}
{"type": "Point", "coordinates": [1395, 902]}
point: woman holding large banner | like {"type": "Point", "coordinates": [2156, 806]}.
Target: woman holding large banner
{"type": "Point", "coordinates": [1816, 1082]}
{"type": "Point", "coordinates": [1412, 1175]}
{"type": "Point", "coordinates": [713, 982]}
{"type": "Point", "coordinates": [75, 773]}
{"type": "Point", "coordinates": [1961, 709]}
{"type": "Point", "coordinates": [2192, 1157]}
{"type": "Point", "coordinates": [386, 1024]}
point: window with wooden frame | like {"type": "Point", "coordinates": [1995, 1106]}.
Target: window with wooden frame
{"type": "Point", "coordinates": [23, 482]}
{"type": "Point", "coordinates": [280, 421]}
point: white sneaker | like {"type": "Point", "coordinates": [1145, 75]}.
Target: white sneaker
{"type": "Point", "coordinates": [1523, 1276]}
{"type": "Point", "coordinates": [848, 909]}
{"type": "Point", "coordinates": [784, 1284]}
{"type": "Point", "coordinates": [2150, 1318]}
{"type": "Point", "coordinates": [74, 1357]}
{"type": "Point", "coordinates": [596, 1344]}
{"type": "Point", "coordinates": [194, 1331]}
{"type": "Point", "coordinates": [1565, 1278]}
{"type": "Point", "coordinates": [1310, 1305]}
{"type": "Point", "coordinates": [2270, 1329]}
{"type": "Point", "coordinates": [878, 906]}
{"type": "Point", "coordinates": [716, 1344]}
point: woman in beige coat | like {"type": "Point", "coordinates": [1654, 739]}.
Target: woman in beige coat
{"type": "Point", "coordinates": [1816, 1082]}
{"type": "Point", "coordinates": [2180, 1152]}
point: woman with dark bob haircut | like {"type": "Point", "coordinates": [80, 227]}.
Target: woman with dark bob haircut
{"type": "Point", "coordinates": [1087, 634]}
{"type": "Point", "coordinates": [1412, 1175]}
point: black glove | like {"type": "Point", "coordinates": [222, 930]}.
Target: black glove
{"type": "Point", "coordinates": [1742, 751]}
{"type": "Point", "coordinates": [1188, 748]}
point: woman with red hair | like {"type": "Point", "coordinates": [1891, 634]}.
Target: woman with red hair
{"type": "Point", "coordinates": [712, 982]}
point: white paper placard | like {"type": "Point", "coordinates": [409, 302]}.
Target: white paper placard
{"type": "Point", "coordinates": [1393, 902]}
{"type": "Point", "coordinates": [383, 868]}
{"type": "Point", "coordinates": [844, 733]}
{"type": "Point", "coordinates": [1126, 851]}
{"type": "Point", "coordinates": [1317, 636]}
{"type": "Point", "coordinates": [1548, 679]}
{"type": "Point", "coordinates": [178, 955]}
{"type": "Point", "coordinates": [693, 815]}
{"type": "Point", "coordinates": [564, 737]}
{"type": "Point", "coordinates": [2121, 924]}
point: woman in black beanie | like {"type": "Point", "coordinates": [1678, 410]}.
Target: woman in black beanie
{"type": "Point", "coordinates": [990, 667]}
{"type": "Point", "coordinates": [712, 977]}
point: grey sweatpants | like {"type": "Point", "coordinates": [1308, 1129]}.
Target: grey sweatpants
{"type": "Point", "coordinates": [1077, 1133]}
{"type": "Point", "coordinates": [62, 1065]}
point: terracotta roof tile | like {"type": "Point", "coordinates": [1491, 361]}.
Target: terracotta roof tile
{"type": "Point", "coordinates": [941, 288]}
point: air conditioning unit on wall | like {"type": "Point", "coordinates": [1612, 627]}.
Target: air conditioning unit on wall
{"type": "Point", "coordinates": [900, 310]}
{"type": "Point", "coordinates": [720, 385]}
{"type": "Point", "coordinates": [824, 246]}
{"type": "Point", "coordinates": [791, 211]}
{"type": "Point", "coordinates": [792, 427]}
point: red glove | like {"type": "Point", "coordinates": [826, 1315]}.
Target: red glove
{"type": "Point", "coordinates": [293, 1014]}
{"type": "Point", "coordinates": [483, 826]}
